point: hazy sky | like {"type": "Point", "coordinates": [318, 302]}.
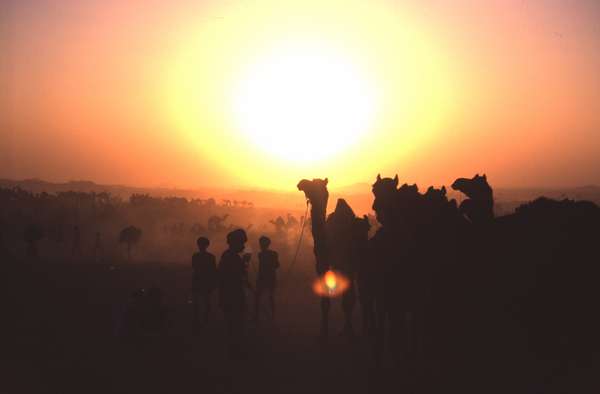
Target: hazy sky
{"type": "Point", "coordinates": [262, 93]}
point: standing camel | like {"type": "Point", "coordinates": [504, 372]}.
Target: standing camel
{"type": "Point", "coordinates": [317, 194]}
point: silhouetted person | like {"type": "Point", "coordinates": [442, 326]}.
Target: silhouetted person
{"type": "Point", "coordinates": [76, 242]}
{"type": "Point", "coordinates": [98, 248]}
{"type": "Point", "coordinates": [268, 263]}
{"type": "Point", "coordinates": [204, 278]}
{"type": "Point", "coordinates": [233, 280]}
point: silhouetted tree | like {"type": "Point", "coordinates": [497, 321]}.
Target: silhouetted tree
{"type": "Point", "coordinates": [130, 235]}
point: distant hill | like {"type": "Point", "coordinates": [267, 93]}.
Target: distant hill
{"type": "Point", "coordinates": [358, 195]}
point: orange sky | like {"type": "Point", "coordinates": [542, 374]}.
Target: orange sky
{"type": "Point", "coordinates": [140, 92]}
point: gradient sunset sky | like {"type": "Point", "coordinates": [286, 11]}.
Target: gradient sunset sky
{"type": "Point", "coordinates": [185, 93]}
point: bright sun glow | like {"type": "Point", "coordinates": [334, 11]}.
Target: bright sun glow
{"type": "Point", "coordinates": [276, 92]}
{"type": "Point", "coordinates": [300, 94]}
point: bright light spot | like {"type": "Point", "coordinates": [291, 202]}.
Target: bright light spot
{"type": "Point", "coordinates": [330, 281]}
{"type": "Point", "coordinates": [304, 103]}
{"type": "Point", "coordinates": [332, 284]}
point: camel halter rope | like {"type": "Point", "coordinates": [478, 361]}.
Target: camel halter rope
{"type": "Point", "coordinates": [287, 273]}
{"type": "Point", "coordinates": [291, 266]}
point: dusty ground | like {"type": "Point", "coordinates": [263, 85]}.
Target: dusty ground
{"type": "Point", "coordinates": [59, 339]}
{"type": "Point", "coordinates": [62, 342]}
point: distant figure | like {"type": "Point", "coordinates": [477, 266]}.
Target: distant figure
{"type": "Point", "coordinates": [268, 263]}
{"type": "Point", "coordinates": [98, 248]}
{"type": "Point", "coordinates": [76, 242]}
{"type": "Point", "coordinates": [233, 280]}
{"type": "Point", "coordinates": [204, 279]}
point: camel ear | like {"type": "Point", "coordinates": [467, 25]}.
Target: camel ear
{"type": "Point", "coordinates": [326, 181]}
{"type": "Point", "coordinates": [484, 177]}
{"type": "Point", "coordinates": [477, 175]}
{"type": "Point", "coordinates": [378, 177]}
{"type": "Point", "coordinates": [396, 180]}
{"type": "Point", "coordinates": [365, 217]}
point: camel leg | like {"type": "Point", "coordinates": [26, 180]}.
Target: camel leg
{"type": "Point", "coordinates": [348, 302]}
{"type": "Point", "coordinates": [379, 329]}
{"type": "Point", "coordinates": [368, 316]}
{"type": "Point", "coordinates": [325, 305]}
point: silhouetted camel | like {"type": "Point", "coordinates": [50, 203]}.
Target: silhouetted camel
{"type": "Point", "coordinates": [418, 234]}
{"type": "Point", "coordinates": [279, 225]}
{"type": "Point", "coordinates": [460, 285]}
{"type": "Point", "coordinates": [478, 208]}
{"type": "Point", "coordinates": [317, 194]}
{"type": "Point", "coordinates": [341, 228]}
{"type": "Point", "coordinates": [365, 273]}
{"type": "Point", "coordinates": [215, 223]}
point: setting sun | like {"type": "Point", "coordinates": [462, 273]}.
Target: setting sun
{"type": "Point", "coordinates": [299, 93]}
{"type": "Point", "coordinates": [268, 92]}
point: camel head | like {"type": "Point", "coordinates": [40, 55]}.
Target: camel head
{"type": "Point", "coordinates": [409, 203]}
{"type": "Point", "coordinates": [474, 188]}
{"type": "Point", "coordinates": [362, 227]}
{"type": "Point", "coordinates": [315, 191]}
{"type": "Point", "coordinates": [408, 192]}
{"type": "Point", "coordinates": [385, 186]}
{"type": "Point", "coordinates": [434, 195]}
{"type": "Point", "coordinates": [384, 190]}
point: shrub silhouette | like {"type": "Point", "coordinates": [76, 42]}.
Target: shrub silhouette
{"type": "Point", "coordinates": [32, 235]}
{"type": "Point", "coordinates": [130, 236]}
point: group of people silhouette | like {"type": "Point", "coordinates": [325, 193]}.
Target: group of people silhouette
{"type": "Point", "coordinates": [145, 315]}
{"type": "Point", "coordinates": [230, 279]}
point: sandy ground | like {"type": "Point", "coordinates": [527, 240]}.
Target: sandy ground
{"type": "Point", "coordinates": [62, 340]}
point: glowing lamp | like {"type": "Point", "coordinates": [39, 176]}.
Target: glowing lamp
{"type": "Point", "coordinates": [330, 280]}
{"type": "Point", "coordinates": [331, 284]}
